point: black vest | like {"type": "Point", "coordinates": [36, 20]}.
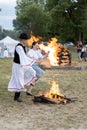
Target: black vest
{"type": "Point", "coordinates": [16, 55]}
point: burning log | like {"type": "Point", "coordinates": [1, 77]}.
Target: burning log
{"type": "Point", "coordinates": [43, 99]}
{"type": "Point", "coordinates": [64, 57]}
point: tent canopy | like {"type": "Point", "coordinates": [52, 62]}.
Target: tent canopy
{"type": "Point", "coordinates": [8, 40]}
{"type": "Point", "coordinates": [9, 43]}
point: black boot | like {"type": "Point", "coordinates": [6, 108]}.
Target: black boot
{"type": "Point", "coordinates": [17, 97]}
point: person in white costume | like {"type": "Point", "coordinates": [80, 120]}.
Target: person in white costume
{"type": "Point", "coordinates": [35, 54]}
{"type": "Point", "coordinates": [6, 52]}
{"type": "Point", "coordinates": [22, 71]}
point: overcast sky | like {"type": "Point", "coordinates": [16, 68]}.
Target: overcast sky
{"type": "Point", "coordinates": [7, 13]}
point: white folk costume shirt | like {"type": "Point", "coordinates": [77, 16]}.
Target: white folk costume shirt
{"type": "Point", "coordinates": [23, 73]}
{"type": "Point", "coordinates": [35, 54]}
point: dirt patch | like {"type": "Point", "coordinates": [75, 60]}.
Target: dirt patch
{"type": "Point", "coordinates": [30, 116]}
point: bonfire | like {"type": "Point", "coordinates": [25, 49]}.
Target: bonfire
{"type": "Point", "coordinates": [58, 54]}
{"type": "Point", "coordinates": [53, 96]}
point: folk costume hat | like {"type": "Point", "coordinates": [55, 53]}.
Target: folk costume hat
{"type": "Point", "coordinates": [23, 36]}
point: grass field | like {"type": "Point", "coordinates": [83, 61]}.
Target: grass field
{"type": "Point", "coordinates": [30, 116]}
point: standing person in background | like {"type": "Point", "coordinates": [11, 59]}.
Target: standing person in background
{"type": "Point", "coordinates": [79, 50]}
{"type": "Point", "coordinates": [6, 52]}
{"type": "Point", "coordinates": [0, 52]}
{"type": "Point", "coordinates": [35, 54]}
{"type": "Point", "coordinates": [22, 71]}
{"type": "Point", "coordinates": [83, 52]}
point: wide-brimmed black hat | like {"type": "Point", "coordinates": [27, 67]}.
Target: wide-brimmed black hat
{"type": "Point", "coordinates": [24, 36]}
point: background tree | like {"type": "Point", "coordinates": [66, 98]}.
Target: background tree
{"type": "Point", "coordinates": [68, 18]}
{"type": "Point", "coordinates": [31, 17]}
{"type": "Point", "coordinates": [64, 19]}
{"type": "Point", "coordinates": [12, 33]}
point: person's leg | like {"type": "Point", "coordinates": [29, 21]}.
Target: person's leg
{"type": "Point", "coordinates": [79, 56]}
{"type": "Point", "coordinates": [30, 87]}
{"type": "Point", "coordinates": [29, 91]}
{"type": "Point", "coordinates": [17, 97]}
{"type": "Point", "coordinates": [39, 71]}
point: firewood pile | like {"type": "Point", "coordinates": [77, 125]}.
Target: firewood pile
{"type": "Point", "coordinates": [64, 57]}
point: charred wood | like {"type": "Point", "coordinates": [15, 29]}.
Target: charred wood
{"type": "Point", "coordinates": [62, 100]}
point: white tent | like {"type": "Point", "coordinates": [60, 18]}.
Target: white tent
{"type": "Point", "coordinates": [9, 43]}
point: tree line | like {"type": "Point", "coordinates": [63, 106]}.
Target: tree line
{"type": "Point", "coordinates": [64, 19]}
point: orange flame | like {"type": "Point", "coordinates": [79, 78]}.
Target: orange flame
{"type": "Point", "coordinates": [54, 49]}
{"type": "Point", "coordinates": [53, 90]}
{"type": "Point", "coordinates": [54, 93]}
{"type": "Point", "coordinates": [32, 39]}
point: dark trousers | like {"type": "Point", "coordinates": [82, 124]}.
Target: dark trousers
{"type": "Point", "coordinates": [17, 95]}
